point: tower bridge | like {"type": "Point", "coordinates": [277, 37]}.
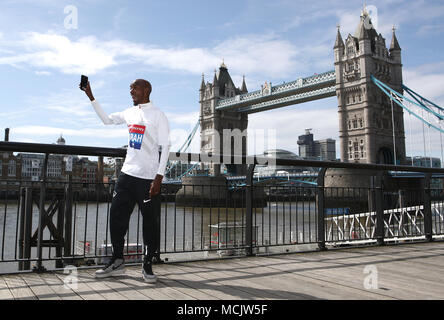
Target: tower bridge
{"type": "Point", "coordinates": [370, 131]}
{"type": "Point", "coordinates": [367, 81]}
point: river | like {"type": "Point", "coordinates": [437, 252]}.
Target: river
{"type": "Point", "coordinates": [182, 228]}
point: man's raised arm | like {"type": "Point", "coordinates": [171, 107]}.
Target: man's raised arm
{"type": "Point", "coordinates": [114, 118]}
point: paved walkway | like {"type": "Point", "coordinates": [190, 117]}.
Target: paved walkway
{"type": "Point", "coordinates": [408, 271]}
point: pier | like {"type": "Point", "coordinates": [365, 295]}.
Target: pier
{"type": "Point", "coordinates": [404, 271]}
{"type": "Point", "coordinates": [297, 246]}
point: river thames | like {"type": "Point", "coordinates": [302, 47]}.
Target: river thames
{"type": "Point", "coordinates": [182, 229]}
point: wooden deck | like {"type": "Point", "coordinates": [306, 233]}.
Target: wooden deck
{"type": "Point", "coordinates": [408, 271]}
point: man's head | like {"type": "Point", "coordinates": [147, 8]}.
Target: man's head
{"type": "Point", "coordinates": [140, 91]}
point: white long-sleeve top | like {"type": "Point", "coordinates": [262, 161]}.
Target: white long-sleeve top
{"type": "Point", "coordinates": [148, 129]}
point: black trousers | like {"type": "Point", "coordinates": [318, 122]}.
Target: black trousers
{"type": "Point", "coordinates": [130, 190]}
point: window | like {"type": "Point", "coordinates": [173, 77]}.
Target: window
{"type": "Point", "coordinates": [11, 168]}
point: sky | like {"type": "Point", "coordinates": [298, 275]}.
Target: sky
{"type": "Point", "coordinates": [45, 45]}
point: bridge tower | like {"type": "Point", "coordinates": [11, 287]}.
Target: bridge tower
{"type": "Point", "coordinates": [213, 122]}
{"type": "Point", "coordinates": [365, 113]}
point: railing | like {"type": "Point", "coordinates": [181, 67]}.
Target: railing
{"type": "Point", "coordinates": [67, 222]}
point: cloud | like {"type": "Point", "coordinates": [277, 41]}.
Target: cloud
{"type": "Point", "coordinates": [66, 105]}
{"type": "Point", "coordinates": [58, 52]}
{"type": "Point", "coordinates": [427, 80]}
{"type": "Point", "coordinates": [43, 73]}
{"type": "Point", "coordinates": [266, 54]}
{"type": "Point", "coordinates": [290, 122]}
{"type": "Point", "coordinates": [188, 118]}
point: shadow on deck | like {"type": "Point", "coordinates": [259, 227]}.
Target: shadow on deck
{"type": "Point", "coordinates": [407, 271]}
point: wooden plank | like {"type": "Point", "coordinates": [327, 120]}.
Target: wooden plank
{"type": "Point", "coordinates": [177, 282]}
{"type": "Point", "coordinates": [211, 287]}
{"type": "Point", "coordinates": [253, 277]}
{"type": "Point", "coordinates": [173, 293]}
{"type": "Point", "coordinates": [168, 293]}
{"type": "Point", "coordinates": [221, 272]}
{"type": "Point", "coordinates": [162, 287]}
{"type": "Point", "coordinates": [103, 289]}
{"type": "Point", "coordinates": [346, 273]}
{"type": "Point", "coordinates": [350, 264]}
{"type": "Point", "coordinates": [407, 271]}
{"type": "Point", "coordinates": [354, 277]}
{"type": "Point", "coordinates": [111, 284]}
{"type": "Point", "coordinates": [65, 293]}
{"type": "Point", "coordinates": [426, 255]}
{"type": "Point", "coordinates": [5, 293]}
{"type": "Point", "coordinates": [83, 289]}
{"type": "Point", "coordinates": [19, 288]}
{"type": "Point", "coordinates": [115, 283]}
{"type": "Point", "coordinates": [150, 290]}
{"type": "Point", "coordinates": [311, 288]}
{"type": "Point", "coordinates": [39, 287]}
{"type": "Point", "coordinates": [410, 271]}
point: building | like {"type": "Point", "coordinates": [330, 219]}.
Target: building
{"type": "Point", "coordinates": [32, 165]}
{"type": "Point", "coordinates": [316, 149]}
{"type": "Point", "coordinates": [365, 115]}
{"type": "Point", "coordinates": [84, 172]}
{"type": "Point", "coordinates": [268, 170]}
{"type": "Point", "coordinates": [10, 165]}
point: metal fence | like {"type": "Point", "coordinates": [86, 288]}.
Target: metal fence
{"type": "Point", "coordinates": [50, 224]}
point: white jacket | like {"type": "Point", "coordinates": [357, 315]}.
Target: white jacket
{"type": "Point", "coordinates": [148, 129]}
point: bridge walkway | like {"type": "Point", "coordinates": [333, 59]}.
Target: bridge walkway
{"type": "Point", "coordinates": [404, 271]}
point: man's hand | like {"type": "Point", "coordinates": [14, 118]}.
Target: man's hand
{"type": "Point", "coordinates": [155, 186]}
{"type": "Point", "coordinates": [88, 91]}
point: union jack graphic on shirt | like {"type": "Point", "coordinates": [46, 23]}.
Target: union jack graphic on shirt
{"type": "Point", "coordinates": [136, 133]}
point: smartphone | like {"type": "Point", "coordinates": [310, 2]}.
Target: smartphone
{"type": "Point", "coordinates": [83, 82]}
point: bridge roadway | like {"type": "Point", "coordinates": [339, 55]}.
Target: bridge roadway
{"type": "Point", "coordinates": [315, 87]}
{"type": "Point", "coordinates": [404, 271]}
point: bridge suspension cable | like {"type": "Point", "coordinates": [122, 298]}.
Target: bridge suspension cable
{"type": "Point", "coordinates": [183, 148]}
{"type": "Point", "coordinates": [413, 107]}
{"type": "Point", "coordinates": [430, 105]}
{"type": "Point", "coordinates": [416, 105]}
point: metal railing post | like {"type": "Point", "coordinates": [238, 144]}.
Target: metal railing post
{"type": "Point", "coordinates": [428, 230]}
{"type": "Point", "coordinates": [68, 218]}
{"type": "Point", "coordinates": [27, 228]}
{"type": "Point", "coordinates": [39, 267]}
{"type": "Point", "coordinates": [379, 206]}
{"type": "Point", "coordinates": [249, 210]}
{"type": "Point", "coordinates": [22, 227]}
{"type": "Point", "coordinates": [60, 224]}
{"type": "Point", "coordinates": [320, 202]}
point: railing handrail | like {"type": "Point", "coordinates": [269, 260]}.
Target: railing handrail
{"type": "Point", "coordinates": [197, 157]}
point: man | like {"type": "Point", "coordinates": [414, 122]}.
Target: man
{"type": "Point", "coordinates": [141, 175]}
